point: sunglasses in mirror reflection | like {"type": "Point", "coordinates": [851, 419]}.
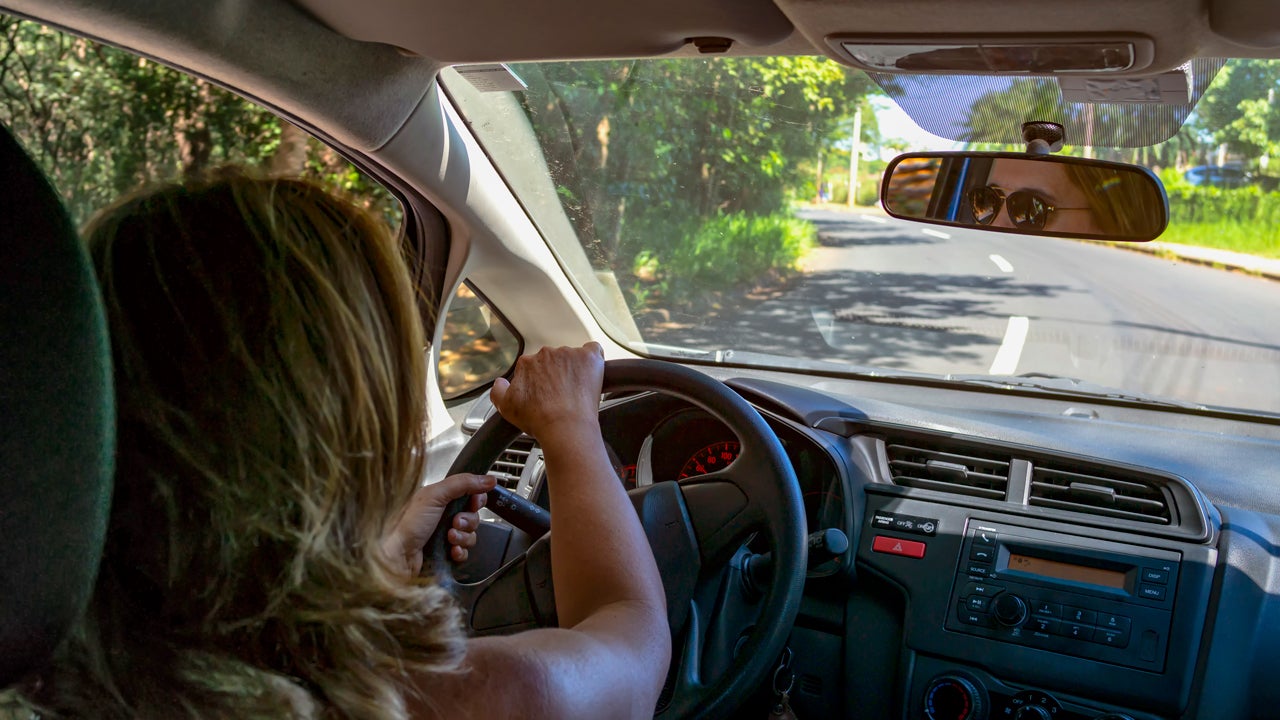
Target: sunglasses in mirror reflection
{"type": "Point", "coordinates": [1038, 195]}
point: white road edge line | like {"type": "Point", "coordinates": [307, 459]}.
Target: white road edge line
{"type": "Point", "coordinates": [1011, 349]}
{"type": "Point", "coordinates": [1001, 263]}
{"type": "Point", "coordinates": [935, 233]}
{"type": "Point", "coordinates": [874, 219]}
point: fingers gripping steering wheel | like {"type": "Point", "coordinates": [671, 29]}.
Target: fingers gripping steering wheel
{"type": "Point", "coordinates": [694, 527]}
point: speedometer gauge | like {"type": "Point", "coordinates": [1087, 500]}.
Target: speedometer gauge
{"type": "Point", "coordinates": [710, 458]}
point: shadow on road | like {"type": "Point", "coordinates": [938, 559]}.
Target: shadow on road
{"type": "Point", "coordinates": [887, 319]}
{"type": "Point", "coordinates": [844, 230]}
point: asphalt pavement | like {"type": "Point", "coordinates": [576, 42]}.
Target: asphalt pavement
{"type": "Point", "coordinates": [887, 293]}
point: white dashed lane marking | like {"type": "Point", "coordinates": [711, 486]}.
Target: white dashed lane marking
{"type": "Point", "coordinates": [1001, 263]}
{"type": "Point", "coordinates": [1010, 351]}
{"type": "Point", "coordinates": [935, 233]}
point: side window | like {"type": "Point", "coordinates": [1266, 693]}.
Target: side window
{"type": "Point", "coordinates": [478, 346]}
{"type": "Point", "coordinates": [101, 122]}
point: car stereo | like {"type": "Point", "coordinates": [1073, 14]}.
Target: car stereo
{"type": "Point", "coordinates": [1104, 601]}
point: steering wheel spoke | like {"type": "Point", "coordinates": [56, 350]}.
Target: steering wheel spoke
{"type": "Point", "coordinates": [518, 596]}
{"type": "Point", "coordinates": [722, 514]}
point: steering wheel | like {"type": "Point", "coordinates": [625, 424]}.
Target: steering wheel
{"type": "Point", "coordinates": [694, 526]}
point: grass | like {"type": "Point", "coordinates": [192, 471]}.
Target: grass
{"type": "Point", "coordinates": [1259, 239]}
{"type": "Point", "coordinates": [733, 251]}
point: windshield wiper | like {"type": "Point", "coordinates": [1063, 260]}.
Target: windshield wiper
{"type": "Point", "coordinates": [1073, 386]}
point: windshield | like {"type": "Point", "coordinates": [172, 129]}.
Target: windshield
{"type": "Point", "coordinates": [727, 209]}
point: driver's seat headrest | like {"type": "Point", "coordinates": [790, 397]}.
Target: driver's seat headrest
{"type": "Point", "coordinates": [57, 419]}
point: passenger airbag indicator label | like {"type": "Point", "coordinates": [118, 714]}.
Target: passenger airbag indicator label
{"type": "Point", "coordinates": [881, 520]}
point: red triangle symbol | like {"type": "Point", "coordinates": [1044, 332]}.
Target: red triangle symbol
{"type": "Point", "coordinates": [897, 547]}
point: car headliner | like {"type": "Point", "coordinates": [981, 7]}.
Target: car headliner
{"type": "Point", "coordinates": [360, 93]}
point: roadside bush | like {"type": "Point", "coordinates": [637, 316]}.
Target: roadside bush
{"type": "Point", "coordinates": [729, 251]}
{"type": "Point", "coordinates": [1243, 220]}
{"type": "Point", "coordinates": [1246, 206]}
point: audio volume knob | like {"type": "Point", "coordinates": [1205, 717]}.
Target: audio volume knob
{"type": "Point", "coordinates": [1009, 609]}
{"type": "Point", "coordinates": [1032, 712]}
{"type": "Point", "coordinates": [952, 697]}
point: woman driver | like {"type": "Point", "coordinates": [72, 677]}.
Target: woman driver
{"type": "Point", "coordinates": [267, 523]}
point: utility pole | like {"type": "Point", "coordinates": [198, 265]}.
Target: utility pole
{"type": "Point", "coordinates": [817, 182]}
{"type": "Point", "coordinates": [855, 151]}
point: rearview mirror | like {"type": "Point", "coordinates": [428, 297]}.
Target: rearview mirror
{"type": "Point", "coordinates": [1027, 194]}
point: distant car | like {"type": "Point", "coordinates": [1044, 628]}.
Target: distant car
{"type": "Point", "coordinates": [1221, 176]}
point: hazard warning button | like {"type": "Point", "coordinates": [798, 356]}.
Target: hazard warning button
{"type": "Point", "coordinates": [894, 546]}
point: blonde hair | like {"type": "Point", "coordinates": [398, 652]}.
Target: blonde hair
{"type": "Point", "coordinates": [271, 380]}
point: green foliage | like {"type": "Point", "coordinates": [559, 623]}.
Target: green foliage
{"type": "Point", "coordinates": [649, 156]}
{"type": "Point", "coordinates": [102, 122]}
{"type": "Point", "coordinates": [1239, 109]}
{"type": "Point", "coordinates": [1247, 206]}
{"type": "Point", "coordinates": [1261, 241]}
{"type": "Point", "coordinates": [728, 250]}
{"type": "Point", "coordinates": [1244, 219]}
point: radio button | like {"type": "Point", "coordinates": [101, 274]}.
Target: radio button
{"type": "Point", "coordinates": [978, 569]}
{"type": "Point", "coordinates": [982, 553]}
{"type": "Point", "coordinates": [985, 537]}
{"type": "Point", "coordinates": [1151, 592]}
{"type": "Point", "coordinates": [983, 589]}
{"type": "Point", "coordinates": [1043, 625]}
{"type": "Point", "coordinates": [978, 603]}
{"type": "Point", "coordinates": [1040, 608]}
{"type": "Point", "coordinates": [1113, 622]}
{"type": "Point", "coordinates": [969, 617]}
{"type": "Point", "coordinates": [1075, 631]}
{"type": "Point", "coordinates": [1114, 638]}
{"type": "Point", "coordinates": [1079, 615]}
{"type": "Point", "coordinates": [1153, 575]}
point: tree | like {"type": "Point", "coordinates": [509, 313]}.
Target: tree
{"type": "Point", "coordinates": [645, 151]}
{"type": "Point", "coordinates": [1239, 108]}
{"type": "Point", "coordinates": [102, 122]}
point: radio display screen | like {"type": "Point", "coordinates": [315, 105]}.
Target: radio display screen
{"type": "Point", "coordinates": [1066, 571]}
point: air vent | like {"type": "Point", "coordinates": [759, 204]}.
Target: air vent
{"type": "Point", "coordinates": [1129, 499]}
{"type": "Point", "coordinates": [952, 469]}
{"type": "Point", "coordinates": [510, 464]}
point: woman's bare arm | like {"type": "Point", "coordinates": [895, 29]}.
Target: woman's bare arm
{"type": "Point", "coordinates": [610, 655]}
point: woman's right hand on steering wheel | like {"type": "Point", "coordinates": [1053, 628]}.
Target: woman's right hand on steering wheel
{"type": "Point", "coordinates": [553, 392]}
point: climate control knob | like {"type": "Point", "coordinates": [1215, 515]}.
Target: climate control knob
{"type": "Point", "coordinates": [1009, 609]}
{"type": "Point", "coordinates": [952, 697]}
{"type": "Point", "coordinates": [1032, 712]}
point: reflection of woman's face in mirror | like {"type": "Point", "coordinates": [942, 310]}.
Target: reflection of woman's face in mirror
{"type": "Point", "coordinates": [1053, 183]}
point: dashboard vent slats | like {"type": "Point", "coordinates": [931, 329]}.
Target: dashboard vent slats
{"type": "Point", "coordinates": [1124, 499]}
{"type": "Point", "coordinates": [949, 469]}
{"type": "Point", "coordinates": [510, 464]}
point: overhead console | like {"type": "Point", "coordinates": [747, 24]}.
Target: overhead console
{"type": "Point", "coordinates": [1035, 585]}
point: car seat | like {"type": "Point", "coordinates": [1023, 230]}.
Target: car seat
{"type": "Point", "coordinates": [57, 419]}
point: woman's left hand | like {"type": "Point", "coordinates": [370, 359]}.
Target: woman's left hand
{"type": "Point", "coordinates": [423, 514]}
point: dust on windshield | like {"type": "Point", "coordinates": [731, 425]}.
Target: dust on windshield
{"type": "Point", "coordinates": [733, 205]}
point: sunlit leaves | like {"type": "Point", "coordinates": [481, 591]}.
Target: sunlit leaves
{"type": "Point", "coordinates": [687, 138]}
{"type": "Point", "coordinates": [102, 122]}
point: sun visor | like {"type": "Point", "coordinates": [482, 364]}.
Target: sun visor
{"type": "Point", "coordinates": [1101, 112]}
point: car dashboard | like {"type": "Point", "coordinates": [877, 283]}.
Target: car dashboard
{"type": "Point", "coordinates": [1008, 557]}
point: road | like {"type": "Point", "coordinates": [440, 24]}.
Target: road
{"type": "Point", "coordinates": [887, 293]}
